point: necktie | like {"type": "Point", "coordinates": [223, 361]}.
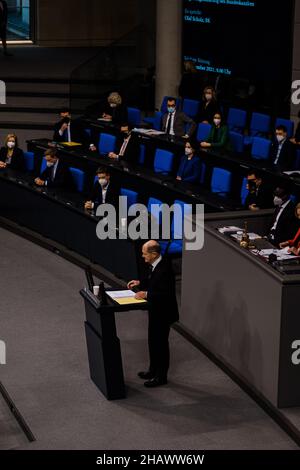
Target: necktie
{"type": "Point", "coordinates": [168, 130]}
{"type": "Point", "coordinates": [150, 271]}
{"type": "Point", "coordinates": [124, 146]}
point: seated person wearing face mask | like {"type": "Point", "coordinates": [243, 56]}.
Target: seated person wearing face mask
{"type": "Point", "coordinates": [177, 124]}
{"type": "Point", "coordinates": [260, 195]}
{"type": "Point", "coordinates": [190, 167]}
{"type": "Point", "coordinates": [294, 244]}
{"type": "Point", "coordinates": [115, 111]}
{"type": "Point", "coordinates": [218, 138]}
{"type": "Point", "coordinates": [69, 130]}
{"type": "Point", "coordinates": [11, 156]}
{"type": "Point", "coordinates": [127, 148]}
{"type": "Point", "coordinates": [283, 151]}
{"type": "Point", "coordinates": [56, 174]}
{"type": "Point", "coordinates": [208, 107]}
{"type": "Point", "coordinates": [104, 191]}
{"type": "Point", "coordinates": [284, 223]}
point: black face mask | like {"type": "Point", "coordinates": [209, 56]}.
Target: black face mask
{"type": "Point", "coordinates": [252, 186]}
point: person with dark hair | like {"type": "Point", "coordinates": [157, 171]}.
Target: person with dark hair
{"type": "Point", "coordinates": [158, 288]}
{"type": "Point", "coordinates": [283, 152]}
{"type": "Point", "coordinates": [127, 148]}
{"type": "Point", "coordinates": [3, 26]}
{"type": "Point", "coordinates": [218, 138]}
{"type": "Point", "coordinates": [11, 156]}
{"type": "Point", "coordinates": [174, 122]}
{"type": "Point", "coordinates": [294, 244]}
{"type": "Point", "coordinates": [284, 223]}
{"type": "Point", "coordinates": [103, 192]}
{"type": "Point", "coordinates": [56, 174]}
{"type": "Point", "coordinates": [209, 106]}
{"type": "Point", "coordinates": [190, 166]}
{"type": "Point", "coordinates": [69, 130]}
{"type": "Point", "coordinates": [260, 195]}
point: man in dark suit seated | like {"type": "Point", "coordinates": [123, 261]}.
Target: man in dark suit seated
{"type": "Point", "coordinates": [284, 224]}
{"type": "Point", "coordinates": [57, 174]}
{"type": "Point", "coordinates": [127, 148]}
{"type": "Point", "coordinates": [158, 288]}
{"type": "Point", "coordinates": [68, 130]}
{"type": "Point", "coordinates": [104, 191]}
{"type": "Point", "coordinates": [283, 151]}
{"type": "Point", "coordinates": [174, 122]}
{"type": "Point", "coordinates": [260, 195]}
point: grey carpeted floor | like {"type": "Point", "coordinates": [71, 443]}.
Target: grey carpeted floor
{"type": "Point", "coordinates": [47, 373]}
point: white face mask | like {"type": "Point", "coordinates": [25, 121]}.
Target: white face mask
{"type": "Point", "coordinates": [50, 164]}
{"type": "Point", "coordinates": [277, 201]}
{"type": "Point", "coordinates": [103, 182]}
{"type": "Point", "coordinates": [11, 145]}
{"type": "Point", "coordinates": [188, 151]}
{"type": "Point", "coordinates": [217, 122]}
{"type": "Point", "coordinates": [280, 138]}
{"type": "Point", "coordinates": [113, 105]}
{"type": "Point", "coordinates": [208, 96]}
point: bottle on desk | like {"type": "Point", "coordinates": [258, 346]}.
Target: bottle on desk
{"type": "Point", "coordinates": [245, 241]}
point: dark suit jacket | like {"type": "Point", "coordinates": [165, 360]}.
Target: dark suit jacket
{"type": "Point", "coordinates": [180, 122]}
{"type": "Point", "coordinates": [119, 114]}
{"type": "Point", "coordinates": [190, 170]}
{"type": "Point", "coordinates": [162, 293]}
{"type": "Point", "coordinates": [17, 160]}
{"type": "Point", "coordinates": [206, 113]}
{"type": "Point", "coordinates": [63, 178]}
{"type": "Point", "coordinates": [287, 156]}
{"type": "Point", "coordinates": [263, 198]}
{"type": "Point", "coordinates": [132, 151]}
{"type": "Point", "coordinates": [297, 133]}
{"type": "Point", "coordinates": [287, 225]}
{"type": "Point", "coordinates": [112, 195]}
{"type": "Point", "coordinates": [78, 133]}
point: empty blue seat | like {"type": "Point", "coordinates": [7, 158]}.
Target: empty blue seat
{"type": "Point", "coordinates": [29, 161]}
{"type": "Point", "coordinates": [244, 191]}
{"type": "Point", "coordinates": [142, 156]}
{"type": "Point", "coordinates": [107, 143]}
{"type": "Point", "coordinates": [132, 196]}
{"type": "Point", "coordinates": [190, 107]}
{"type": "Point", "coordinates": [155, 121]}
{"type": "Point", "coordinates": [134, 117]}
{"type": "Point", "coordinates": [221, 181]}
{"type": "Point", "coordinates": [78, 178]}
{"type": "Point", "coordinates": [290, 125]}
{"type": "Point", "coordinates": [260, 126]}
{"type": "Point", "coordinates": [174, 246]}
{"type": "Point", "coordinates": [163, 161]}
{"type": "Point", "coordinates": [261, 148]}
{"type": "Point", "coordinates": [43, 165]}
{"type": "Point", "coordinates": [203, 131]}
{"type": "Point", "coordinates": [237, 141]}
{"type": "Point", "coordinates": [236, 120]}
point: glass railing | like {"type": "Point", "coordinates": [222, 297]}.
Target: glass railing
{"type": "Point", "coordinates": [125, 66]}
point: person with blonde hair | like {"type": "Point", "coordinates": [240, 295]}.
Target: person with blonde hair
{"type": "Point", "coordinates": [11, 156]}
{"type": "Point", "coordinates": [209, 106]}
{"type": "Point", "coordinates": [115, 111]}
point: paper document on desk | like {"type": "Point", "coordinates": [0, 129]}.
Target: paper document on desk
{"type": "Point", "coordinates": [124, 297]}
{"type": "Point", "coordinates": [71, 144]}
{"type": "Point", "coordinates": [252, 236]}
{"type": "Point", "coordinates": [148, 131]}
{"type": "Point", "coordinates": [229, 229]}
{"type": "Point", "coordinates": [281, 254]}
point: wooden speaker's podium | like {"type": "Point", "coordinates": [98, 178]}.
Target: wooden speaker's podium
{"type": "Point", "coordinates": [103, 344]}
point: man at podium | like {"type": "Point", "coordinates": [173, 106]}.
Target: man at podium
{"type": "Point", "coordinates": [158, 288]}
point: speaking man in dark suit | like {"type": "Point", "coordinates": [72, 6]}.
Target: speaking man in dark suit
{"type": "Point", "coordinates": [3, 25]}
{"type": "Point", "coordinates": [69, 130]}
{"type": "Point", "coordinates": [57, 174]}
{"type": "Point", "coordinates": [158, 288]}
{"type": "Point", "coordinates": [104, 191]}
{"type": "Point", "coordinates": [283, 151]}
{"type": "Point", "coordinates": [174, 122]}
{"type": "Point", "coordinates": [284, 224]}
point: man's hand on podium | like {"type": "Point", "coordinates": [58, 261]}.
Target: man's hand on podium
{"type": "Point", "coordinates": [133, 284]}
{"type": "Point", "coordinates": [141, 296]}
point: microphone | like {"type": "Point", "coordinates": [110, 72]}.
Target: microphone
{"type": "Point", "coordinates": [272, 258]}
